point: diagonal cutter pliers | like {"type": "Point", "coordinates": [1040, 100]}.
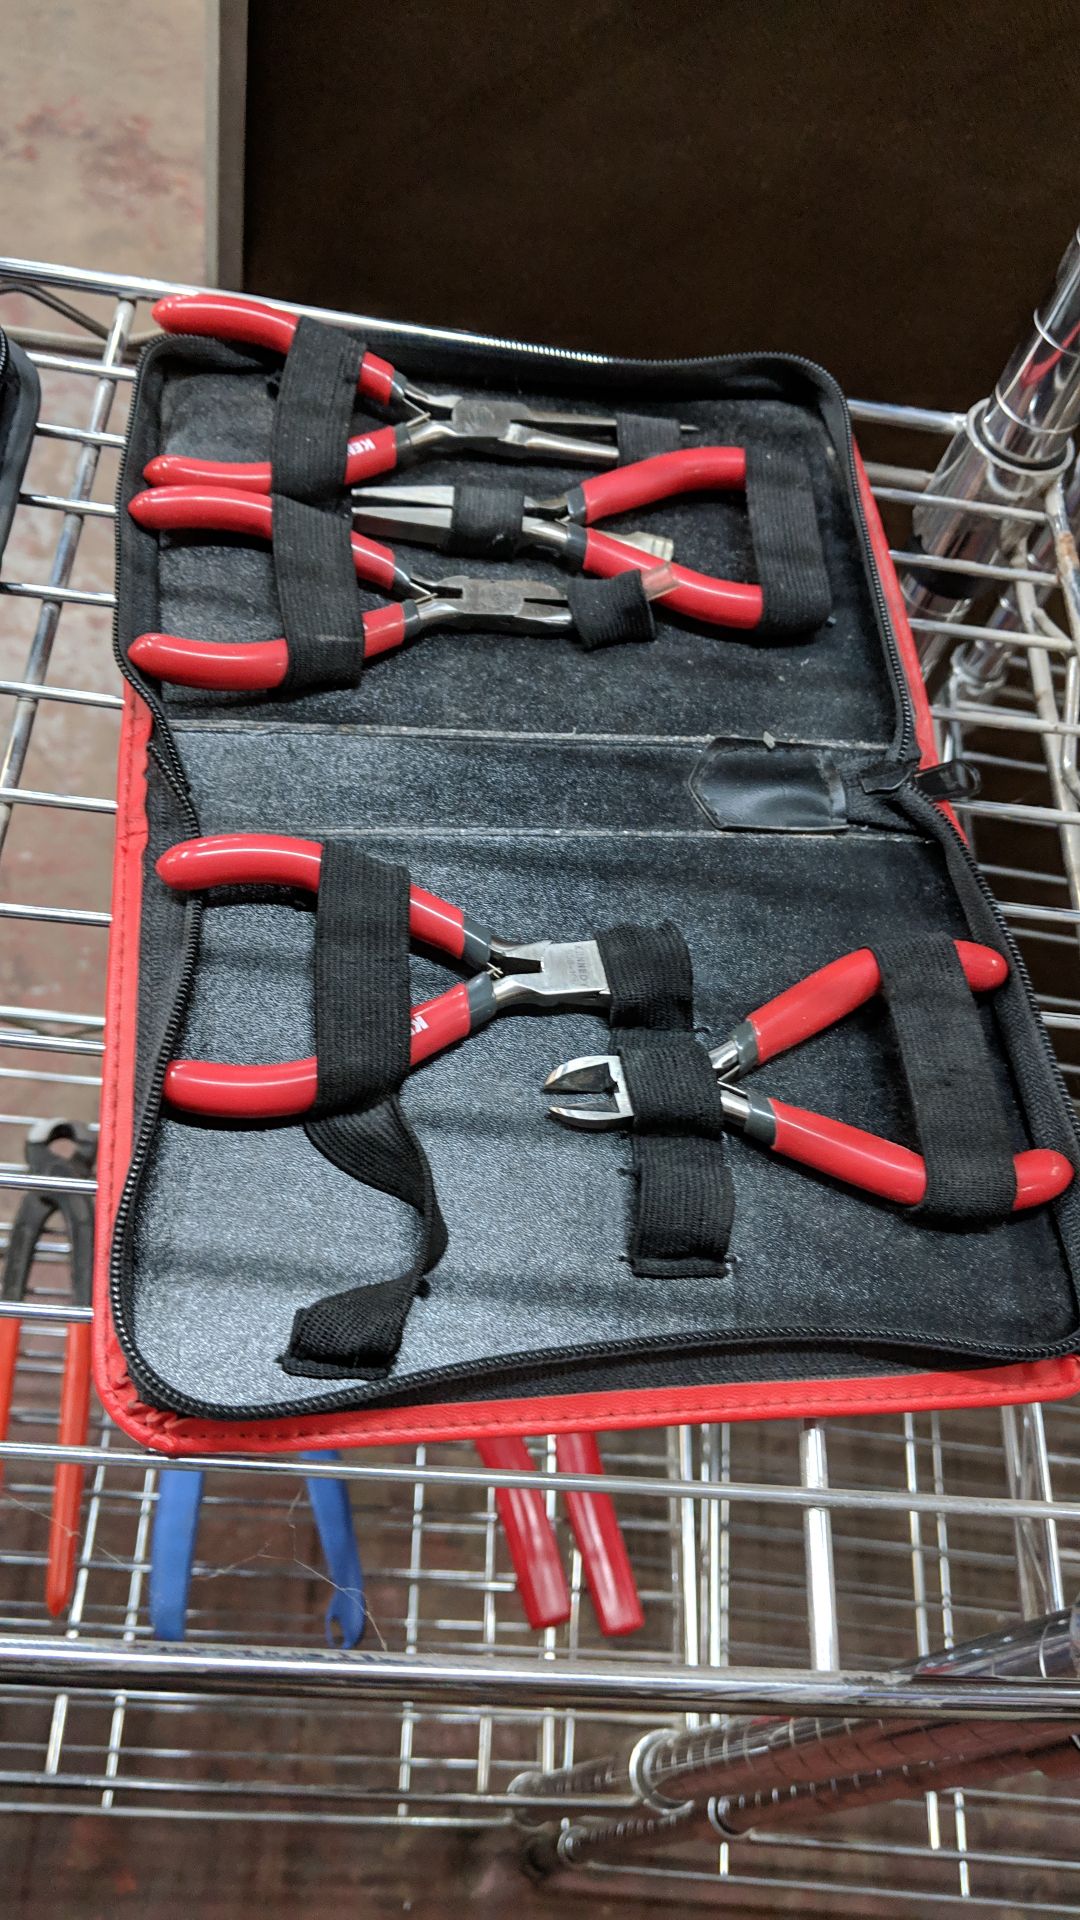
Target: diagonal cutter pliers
{"type": "Point", "coordinates": [849, 1154]}
{"type": "Point", "coordinates": [548, 974]}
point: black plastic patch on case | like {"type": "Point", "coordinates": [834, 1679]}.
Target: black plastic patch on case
{"type": "Point", "coordinates": [20, 398]}
{"type": "Point", "coordinates": [768, 788]}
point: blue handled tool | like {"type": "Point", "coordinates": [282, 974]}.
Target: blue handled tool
{"type": "Point", "coordinates": [172, 1553]}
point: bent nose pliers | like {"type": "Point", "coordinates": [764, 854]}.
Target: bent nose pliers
{"type": "Point", "coordinates": [860, 1159]}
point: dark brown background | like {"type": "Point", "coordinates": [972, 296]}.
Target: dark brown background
{"type": "Point", "coordinates": [884, 187]}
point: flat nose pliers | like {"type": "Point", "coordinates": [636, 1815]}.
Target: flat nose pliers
{"type": "Point", "coordinates": [849, 1154]}
{"type": "Point", "coordinates": [35, 1209]}
{"type": "Point", "coordinates": [492, 605]}
{"type": "Point", "coordinates": [547, 973]}
{"type": "Point", "coordinates": [565, 525]}
{"type": "Point", "coordinates": [435, 423]}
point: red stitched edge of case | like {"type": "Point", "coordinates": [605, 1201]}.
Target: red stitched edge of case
{"type": "Point", "coordinates": [462, 1420]}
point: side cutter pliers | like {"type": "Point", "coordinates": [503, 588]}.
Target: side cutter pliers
{"type": "Point", "coordinates": [434, 423]}
{"type": "Point", "coordinates": [860, 1159]}
{"type": "Point", "coordinates": [547, 974]}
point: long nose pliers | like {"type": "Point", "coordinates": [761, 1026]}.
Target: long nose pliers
{"type": "Point", "coordinates": [433, 423]}
{"type": "Point", "coordinates": [546, 974]}
{"type": "Point", "coordinates": [36, 1208]}
{"type": "Point", "coordinates": [849, 1154]}
{"type": "Point", "coordinates": [565, 525]}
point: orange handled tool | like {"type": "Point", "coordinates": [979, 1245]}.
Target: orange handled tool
{"type": "Point", "coordinates": [35, 1209]}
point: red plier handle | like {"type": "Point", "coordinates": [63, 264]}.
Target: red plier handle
{"type": "Point", "coordinates": [220, 510]}
{"type": "Point", "coordinates": [700, 596]}
{"type": "Point", "coordinates": [534, 1549]}
{"type": "Point", "coordinates": [252, 323]}
{"type": "Point", "coordinates": [828, 996]}
{"type": "Point", "coordinates": [288, 1087]}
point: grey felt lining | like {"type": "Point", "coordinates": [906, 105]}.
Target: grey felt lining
{"type": "Point", "coordinates": [448, 757]}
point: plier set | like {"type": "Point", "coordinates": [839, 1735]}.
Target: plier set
{"type": "Point", "coordinates": [561, 975]}
{"type": "Point", "coordinates": [375, 512]}
{"type": "Point", "coordinates": [186, 495]}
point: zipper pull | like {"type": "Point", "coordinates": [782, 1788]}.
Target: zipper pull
{"type": "Point", "coordinates": [950, 780]}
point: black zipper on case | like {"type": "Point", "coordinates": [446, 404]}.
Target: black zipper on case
{"type": "Point", "coordinates": [542, 1360]}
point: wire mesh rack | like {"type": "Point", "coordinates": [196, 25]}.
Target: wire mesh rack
{"type": "Point", "coordinates": [785, 1568]}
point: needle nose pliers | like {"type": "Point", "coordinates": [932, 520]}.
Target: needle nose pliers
{"type": "Point", "coordinates": [436, 423]}
{"type": "Point", "coordinates": [547, 973]}
{"type": "Point", "coordinates": [565, 525]}
{"type": "Point", "coordinates": [860, 1159]}
{"type": "Point", "coordinates": [493, 605]}
{"type": "Point", "coordinates": [35, 1209]}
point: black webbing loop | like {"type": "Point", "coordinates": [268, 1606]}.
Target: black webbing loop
{"type": "Point", "coordinates": [316, 587]}
{"type": "Point", "coordinates": [362, 1001]}
{"type": "Point", "coordinates": [639, 436]}
{"type": "Point", "coordinates": [608, 613]}
{"type": "Point", "coordinates": [485, 522]}
{"type": "Point", "coordinates": [959, 1115]}
{"type": "Point", "coordinates": [362, 1015]}
{"type": "Point", "coordinates": [650, 975]}
{"type": "Point", "coordinates": [789, 561]}
{"type": "Point", "coordinates": [358, 1331]}
{"type": "Point", "coordinates": [683, 1199]}
{"type": "Point", "coordinates": [314, 411]}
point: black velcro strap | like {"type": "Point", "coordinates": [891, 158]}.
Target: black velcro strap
{"type": "Point", "coordinates": [607, 613]}
{"type": "Point", "coordinates": [639, 436]}
{"type": "Point", "coordinates": [317, 593]}
{"type": "Point", "coordinates": [683, 1198]}
{"type": "Point", "coordinates": [789, 561]}
{"type": "Point", "coordinates": [485, 522]}
{"type": "Point", "coordinates": [650, 976]}
{"type": "Point", "coordinates": [314, 411]}
{"type": "Point", "coordinates": [362, 1017]}
{"type": "Point", "coordinates": [958, 1111]}
{"type": "Point", "coordinates": [362, 1002]}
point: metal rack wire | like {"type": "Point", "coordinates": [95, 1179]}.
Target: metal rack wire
{"type": "Point", "coordinates": [784, 1567]}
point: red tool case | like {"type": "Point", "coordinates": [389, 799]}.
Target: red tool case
{"type": "Point", "coordinates": [710, 778]}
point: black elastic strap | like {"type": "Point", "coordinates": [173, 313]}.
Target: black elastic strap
{"type": "Point", "coordinates": [639, 436]}
{"type": "Point", "coordinates": [362, 1000]}
{"type": "Point", "coordinates": [650, 976]}
{"type": "Point", "coordinates": [314, 411]}
{"type": "Point", "coordinates": [684, 1202]}
{"type": "Point", "coordinates": [608, 613]}
{"type": "Point", "coordinates": [959, 1115]}
{"type": "Point", "coordinates": [789, 561]}
{"type": "Point", "coordinates": [321, 610]}
{"type": "Point", "coordinates": [362, 1017]}
{"type": "Point", "coordinates": [358, 1331]}
{"type": "Point", "coordinates": [485, 522]}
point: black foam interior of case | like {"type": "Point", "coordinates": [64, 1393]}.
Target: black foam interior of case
{"type": "Point", "coordinates": [545, 790]}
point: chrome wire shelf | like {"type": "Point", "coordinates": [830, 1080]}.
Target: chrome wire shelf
{"type": "Point", "coordinates": [784, 1567]}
